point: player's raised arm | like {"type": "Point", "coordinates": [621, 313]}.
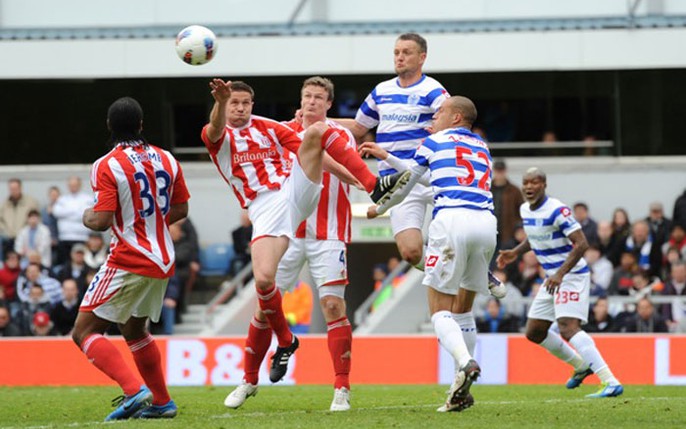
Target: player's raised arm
{"type": "Point", "coordinates": [221, 92]}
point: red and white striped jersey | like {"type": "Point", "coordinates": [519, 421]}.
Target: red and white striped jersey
{"type": "Point", "coordinates": [139, 183]}
{"type": "Point", "coordinates": [251, 158]}
{"type": "Point", "coordinates": [332, 218]}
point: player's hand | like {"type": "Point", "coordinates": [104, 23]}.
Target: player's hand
{"type": "Point", "coordinates": [194, 266]}
{"type": "Point", "coordinates": [552, 283]}
{"type": "Point", "coordinates": [505, 257]}
{"type": "Point", "coordinates": [372, 149]}
{"type": "Point", "coordinates": [371, 212]}
{"type": "Point", "coordinates": [298, 116]}
{"type": "Point", "coordinates": [221, 91]}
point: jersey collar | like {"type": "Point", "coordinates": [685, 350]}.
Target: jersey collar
{"type": "Point", "coordinates": [421, 79]}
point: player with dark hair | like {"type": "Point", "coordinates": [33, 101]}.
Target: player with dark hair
{"type": "Point", "coordinates": [139, 191]}
{"type": "Point", "coordinates": [559, 244]}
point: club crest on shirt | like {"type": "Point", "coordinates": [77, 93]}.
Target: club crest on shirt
{"type": "Point", "coordinates": [413, 99]}
{"type": "Point", "coordinates": [539, 222]}
{"type": "Point", "coordinates": [566, 212]}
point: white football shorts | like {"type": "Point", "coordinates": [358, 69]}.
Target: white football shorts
{"type": "Point", "coordinates": [116, 295]}
{"type": "Point", "coordinates": [571, 300]}
{"type": "Point", "coordinates": [461, 244]}
{"type": "Point", "coordinates": [278, 213]}
{"type": "Point", "coordinates": [326, 259]}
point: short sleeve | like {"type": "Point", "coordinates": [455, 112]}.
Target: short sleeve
{"type": "Point", "coordinates": [180, 192]}
{"type": "Point", "coordinates": [104, 188]}
{"type": "Point", "coordinates": [212, 147]}
{"type": "Point", "coordinates": [565, 221]}
{"type": "Point", "coordinates": [368, 113]}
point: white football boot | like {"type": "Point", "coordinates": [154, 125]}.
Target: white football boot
{"type": "Point", "coordinates": [341, 400]}
{"type": "Point", "coordinates": [240, 394]}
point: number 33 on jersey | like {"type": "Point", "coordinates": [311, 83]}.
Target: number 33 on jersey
{"type": "Point", "coordinates": [139, 183]}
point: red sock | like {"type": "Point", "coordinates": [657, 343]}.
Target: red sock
{"type": "Point", "coordinates": [340, 338]}
{"type": "Point", "coordinates": [149, 363]}
{"type": "Point", "coordinates": [102, 353]}
{"type": "Point", "coordinates": [256, 347]}
{"type": "Point", "coordinates": [338, 148]}
{"type": "Point", "coordinates": [270, 304]}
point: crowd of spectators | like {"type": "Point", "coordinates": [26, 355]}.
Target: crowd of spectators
{"type": "Point", "coordinates": [49, 258]}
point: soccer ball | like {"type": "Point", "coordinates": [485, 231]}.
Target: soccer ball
{"type": "Point", "coordinates": [196, 45]}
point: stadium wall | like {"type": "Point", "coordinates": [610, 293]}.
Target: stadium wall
{"type": "Point", "coordinates": [505, 359]}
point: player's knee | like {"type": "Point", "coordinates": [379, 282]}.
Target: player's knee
{"type": "Point", "coordinates": [333, 307]}
{"type": "Point", "coordinates": [263, 281]}
{"type": "Point", "coordinates": [568, 330]}
{"type": "Point", "coordinates": [315, 131]}
{"type": "Point", "coordinates": [76, 337]}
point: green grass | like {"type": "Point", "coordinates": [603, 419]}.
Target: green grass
{"type": "Point", "coordinates": [374, 407]}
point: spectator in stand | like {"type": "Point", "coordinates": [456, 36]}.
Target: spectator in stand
{"type": "Point", "coordinates": [241, 237]}
{"type": "Point", "coordinates": [620, 222]}
{"type": "Point", "coordinates": [187, 251]}
{"type": "Point", "coordinates": [168, 318]}
{"type": "Point", "coordinates": [679, 216]}
{"type": "Point", "coordinates": [622, 278]}
{"type": "Point", "coordinates": [660, 226]}
{"type": "Point", "coordinates": [512, 270]}
{"type": "Point", "coordinates": [75, 268]}
{"type": "Point", "coordinates": [42, 326]}
{"type": "Point", "coordinates": [68, 210]}
{"type": "Point", "coordinates": [676, 286]}
{"type": "Point", "coordinates": [609, 244]}
{"type": "Point", "coordinates": [297, 307]}
{"type": "Point", "coordinates": [496, 319]}
{"type": "Point", "coordinates": [33, 275]}
{"type": "Point", "coordinates": [64, 312]}
{"type": "Point", "coordinates": [506, 200]}
{"type": "Point", "coordinates": [673, 257]}
{"type": "Point", "coordinates": [601, 270]}
{"type": "Point", "coordinates": [34, 236]}
{"type": "Point", "coordinates": [387, 292]}
{"type": "Point", "coordinates": [37, 301]}
{"type": "Point", "coordinates": [95, 252]}
{"type": "Point", "coordinates": [677, 241]}
{"type": "Point", "coordinates": [641, 244]}
{"type": "Point", "coordinates": [644, 320]}
{"type": "Point", "coordinates": [588, 225]}
{"type": "Point", "coordinates": [621, 230]}
{"type": "Point", "coordinates": [530, 272]}
{"type": "Point", "coordinates": [599, 319]}
{"type": "Point", "coordinates": [13, 214]}
{"type": "Point", "coordinates": [34, 257]}
{"type": "Point", "coordinates": [50, 220]}
{"type": "Point", "coordinates": [8, 276]}
{"type": "Point", "coordinates": [7, 328]}
{"type": "Point", "coordinates": [379, 272]}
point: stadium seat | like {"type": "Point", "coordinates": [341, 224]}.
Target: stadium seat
{"type": "Point", "coordinates": [215, 259]}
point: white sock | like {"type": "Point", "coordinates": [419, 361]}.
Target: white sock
{"type": "Point", "coordinates": [561, 350]}
{"type": "Point", "coordinates": [585, 345]}
{"type": "Point", "coordinates": [450, 336]}
{"type": "Point", "coordinates": [468, 326]}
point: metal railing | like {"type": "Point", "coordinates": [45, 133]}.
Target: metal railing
{"type": "Point", "coordinates": [364, 309]}
{"type": "Point", "coordinates": [227, 289]}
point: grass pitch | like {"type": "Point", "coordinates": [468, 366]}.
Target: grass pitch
{"type": "Point", "coordinates": [373, 407]}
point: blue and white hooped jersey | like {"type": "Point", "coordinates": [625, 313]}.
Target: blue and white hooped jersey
{"type": "Point", "coordinates": [402, 115]}
{"type": "Point", "coordinates": [547, 229]}
{"type": "Point", "coordinates": [460, 169]}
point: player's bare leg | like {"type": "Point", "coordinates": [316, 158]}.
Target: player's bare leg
{"type": "Point", "coordinates": [256, 347]}
{"type": "Point", "coordinates": [570, 330]}
{"type": "Point", "coordinates": [266, 253]}
{"type": "Point", "coordinates": [88, 335]}
{"type": "Point", "coordinates": [450, 336]}
{"type": "Point", "coordinates": [146, 354]}
{"type": "Point", "coordinates": [339, 339]}
{"type": "Point", "coordinates": [311, 152]}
